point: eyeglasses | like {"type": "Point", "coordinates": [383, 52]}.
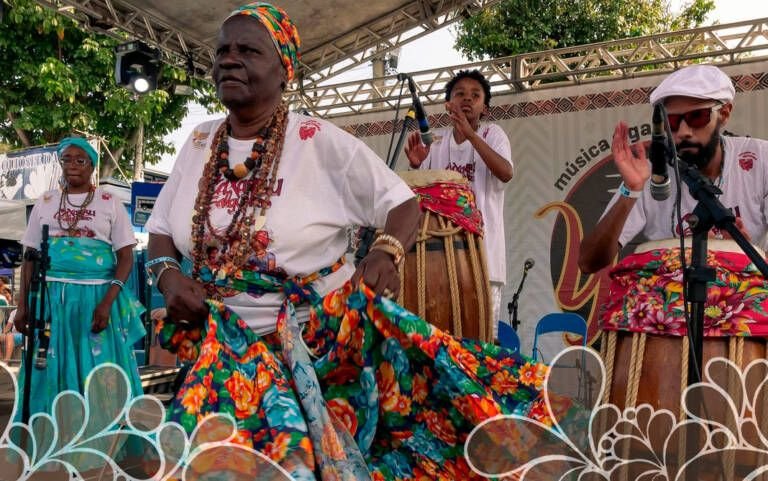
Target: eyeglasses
{"type": "Point", "coordinates": [77, 161]}
{"type": "Point", "coordinates": [695, 119]}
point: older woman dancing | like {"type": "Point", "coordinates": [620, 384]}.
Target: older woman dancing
{"type": "Point", "coordinates": [319, 368]}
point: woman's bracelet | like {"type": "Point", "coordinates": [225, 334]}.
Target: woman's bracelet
{"type": "Point", "coordinates": [165, 261]}
{"type": "Point", "coordinates": [162, 271]}
{"type": "Point", "coordinates": [158, 260]}
{"type": "Point", "coordinates": [391, 245]}
{"type": "Point", "coordinates": [118, 283]}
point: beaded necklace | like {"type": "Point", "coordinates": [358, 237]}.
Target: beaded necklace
{"type": "Point", "coordinates": [263, 161]}
{"type": "Point", "coordinates": [71, 228]}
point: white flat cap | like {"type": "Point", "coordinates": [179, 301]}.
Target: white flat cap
{"type": "Point", "coordinates": [697, 81]}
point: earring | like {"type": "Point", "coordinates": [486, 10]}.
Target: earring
{"type": "Point", "coordinates": [63, 182]}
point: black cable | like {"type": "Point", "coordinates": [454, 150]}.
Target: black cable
{"type": "Point", "coordinates": [402, 78]}
{"type": "Point", "coordinates": [686, 311]}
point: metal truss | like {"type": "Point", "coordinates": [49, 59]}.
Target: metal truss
{"type": "Point", "coordinates": [384, 34]}
{"type": "Point", "coordinates": [734, 43]}
{"type": "Point", "coordinates": [121, 21]}
{"type": "Point", "coordinates": [118, 19]}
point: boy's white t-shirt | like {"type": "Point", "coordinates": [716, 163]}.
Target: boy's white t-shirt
{"type": "Point", "coordinates": [445, 153]}
{"type": "Point", "coordinates": [327, 180]}
{"type": "Point", "coordinates": [744, 183]}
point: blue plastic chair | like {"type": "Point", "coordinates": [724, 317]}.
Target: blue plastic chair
{"type": "Point", "coordinates": [508, 337]}
{"type": "Point", "coordinates": [559, 322]}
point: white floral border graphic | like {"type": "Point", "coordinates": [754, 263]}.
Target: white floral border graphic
{"type": "Point", "coordinates": [106, 434]}
{"type": "Point", "coordinates": [723, 435]}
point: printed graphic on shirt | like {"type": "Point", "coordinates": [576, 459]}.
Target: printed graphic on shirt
{"type": "Point", "coordinates": [467, 170]}
{"type": "Point", "coordinates": [747, 160]}
{"type": "Point", "coordinates": [308, 129]}
{"type": "Point", "coordinates": [228, 194]}
{"type": "Point", "coordinates": [68, 216]}
{"type": "Point", "coordinates": [199, 139]}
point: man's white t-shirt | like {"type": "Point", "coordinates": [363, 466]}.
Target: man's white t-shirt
{"type": "Point", "coordinates": [744, 183]}
{"type": "Point", "coordinates": [445, 153]}
{"type": "Point", "coordinates": [104, 218]}
{"type": "Point", "coordinates": [327, 180]}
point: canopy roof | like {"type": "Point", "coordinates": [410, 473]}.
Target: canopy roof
{"type": "Point", "coordinates": [336, 34]}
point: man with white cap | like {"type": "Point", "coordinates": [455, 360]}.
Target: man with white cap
{"type": "Point", "coordinates": [698, 102]}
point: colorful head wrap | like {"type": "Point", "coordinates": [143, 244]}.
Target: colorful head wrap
{"type": "Point", "coordinates": [78, 142]}
{"type": "Point", "coordinates": [281, 29]}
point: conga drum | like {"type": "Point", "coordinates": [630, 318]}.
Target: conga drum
{"type": "Point", "coordinates": [444, 278]}
{"type": "Point", "coordinates": [644, 344]}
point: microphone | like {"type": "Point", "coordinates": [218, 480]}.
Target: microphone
{"type": "Point", "coordinates": [661, 186]}
{"type": "Point", "coordinates": [421, 116]}
{"type": "Point", "coordinates": [528, 264]}
{"type": "Point", "coordinates": [44, 335]}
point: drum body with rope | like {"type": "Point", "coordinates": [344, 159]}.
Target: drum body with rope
{"type": "Point", "coordinates": [445, 276]}
{"type": "Point", "coordinates": [644, 343]}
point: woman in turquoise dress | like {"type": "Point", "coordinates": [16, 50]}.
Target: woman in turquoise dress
{"type": "Point", "coordinates": [93, 319]}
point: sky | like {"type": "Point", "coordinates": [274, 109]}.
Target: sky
{"type": "Point", "coordinates": [413, 59]}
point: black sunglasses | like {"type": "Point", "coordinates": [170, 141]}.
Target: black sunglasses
{"type": "Point", "coordinates": [695, 119]}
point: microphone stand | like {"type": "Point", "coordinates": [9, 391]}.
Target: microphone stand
{"type": "Point", "coordinates": [408, 120]}
{"type": "Point", "coordinates": [512, 306]}
{"type": "Point", "coordinates": [366, 235]}
{"type": "Point", "coordinates": [35, 322]}
{"type": "Point", "coordinates": [708, 212]}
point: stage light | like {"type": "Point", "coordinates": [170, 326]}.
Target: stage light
{"type": "Point", "coordinates": [137, 66]}
{"type": "Point", "coordinates": [139, 84]}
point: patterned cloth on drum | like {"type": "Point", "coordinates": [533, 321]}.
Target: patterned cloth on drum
{"type": "Point", "coordinates": [645, 348]}
{"type": "Point", "coordinates": [445, 277]}
{"type": "Point", "coordinates": [646, 293]}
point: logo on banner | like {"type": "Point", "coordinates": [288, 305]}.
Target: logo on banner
{"type": "Point", "coordinates": [589, 182]}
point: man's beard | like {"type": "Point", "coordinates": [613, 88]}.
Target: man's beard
{"type": "Point", "coordinates": [704, 154]}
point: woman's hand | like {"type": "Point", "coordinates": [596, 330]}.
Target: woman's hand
{"type": "Point", "coordinates": [20, 320]}
{"type": "Point", "coordinates": [378, 271]}
{"type": "Point", "coordinates": [184, 298]}
{"type": "Point", "coordinates": [101, 316]}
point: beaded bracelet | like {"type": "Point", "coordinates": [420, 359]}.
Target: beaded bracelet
{"type": "Point", "coordinates": [118, 283]}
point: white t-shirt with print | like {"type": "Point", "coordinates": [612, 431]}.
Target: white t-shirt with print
{"type": "Point", "coordinates": [444, 153]}
{"type": "Point", "coordinates": [745, 190]}
{"type": "Point", "coordinates": [105, 219]}
{"type": "Point", "coordinates": [326, 180]}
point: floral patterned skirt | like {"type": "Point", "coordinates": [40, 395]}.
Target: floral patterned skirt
{"type": "Point", "coordinates": [364, 390]}
{"type": "Point", "coordinates": [646, 295]}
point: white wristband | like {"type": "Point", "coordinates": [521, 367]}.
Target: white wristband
{"type": "Point", "coordinates": [631, 194]}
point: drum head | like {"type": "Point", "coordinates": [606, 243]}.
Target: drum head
{"type": "Point", "coordinates": [422, 178]}
{"type": "Point", "coordinates": [717, 245]}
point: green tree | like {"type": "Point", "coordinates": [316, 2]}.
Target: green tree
{"type": "Point", "coordinates": [56, 79]}
{"type": "Point", "coordinates": [522, 26]}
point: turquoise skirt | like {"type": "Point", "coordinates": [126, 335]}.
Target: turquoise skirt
{"type": "Point", "coordinates": [74, 350]}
